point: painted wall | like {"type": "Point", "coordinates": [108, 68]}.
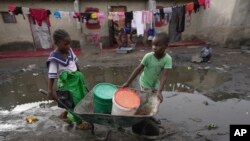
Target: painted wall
{"type": "Point", "coordinates": [224, 21]}
{"type": "Point", "coordinates": [21, 31]}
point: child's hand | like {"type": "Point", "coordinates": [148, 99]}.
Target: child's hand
{"type": "Point", "coordinates": [51, 96]}
{"type": "Point", "coordinates": [160, 97]}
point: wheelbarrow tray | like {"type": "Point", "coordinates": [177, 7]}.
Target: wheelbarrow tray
{"type": "Point", "coordinates": [149, 107]}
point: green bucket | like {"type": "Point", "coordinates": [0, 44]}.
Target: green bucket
{"type": "Point", "coordinates": [103, 94]}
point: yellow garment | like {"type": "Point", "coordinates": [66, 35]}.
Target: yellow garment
{"type": "Point", "coordinates": [110, 17]}
{"type": "Point", "coordinates": [94, 15]}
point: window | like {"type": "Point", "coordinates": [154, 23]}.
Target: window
{"type": "Point", "coordinates": [7, 18]}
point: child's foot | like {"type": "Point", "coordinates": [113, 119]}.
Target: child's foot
{"type": "Point", "coordinates": [83, 125]}
{"type": "Point", "coordinates": [63, 115]}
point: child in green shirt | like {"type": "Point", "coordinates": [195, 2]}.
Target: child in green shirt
{"type": "Point", "coordinates": [155, 66]}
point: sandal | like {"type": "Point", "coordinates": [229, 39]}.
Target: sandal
{"type": "Point", "coordinates": [83, 125]}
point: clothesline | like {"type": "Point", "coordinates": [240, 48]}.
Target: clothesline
{"type": "Point", "coordinates": [189, 7]}
{"type": "Point", "coordinates": [137, 19]}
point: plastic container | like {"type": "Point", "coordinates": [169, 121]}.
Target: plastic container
{"type": "Point", "coordinates": [103, 94]}
{"type": "Point", "coordinates": [125, 102]}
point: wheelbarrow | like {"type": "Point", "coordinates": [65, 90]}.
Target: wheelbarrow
{"type": "Point", "coordinates": [148, 108]}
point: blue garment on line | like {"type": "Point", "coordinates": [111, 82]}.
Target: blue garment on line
{"type": "Point", "coordinates": [57, 14]}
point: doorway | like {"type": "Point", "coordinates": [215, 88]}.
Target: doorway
{"type": "Point", "coordinates": [114, 27]}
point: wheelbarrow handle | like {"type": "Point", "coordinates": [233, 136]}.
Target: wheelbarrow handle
{"type": "Point", "coordinates": [43, 91]}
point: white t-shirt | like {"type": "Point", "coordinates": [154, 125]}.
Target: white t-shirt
{"type": "Point", "coordinates": [56, 64]}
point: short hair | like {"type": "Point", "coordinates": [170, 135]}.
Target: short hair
{"type": "Point", "coordinates": [162, 37]}
{"type": "Point", "coordinates": [60, 34]}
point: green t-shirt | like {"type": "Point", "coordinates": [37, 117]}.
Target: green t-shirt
{"type": "Point", "coordinates": [150, 77]}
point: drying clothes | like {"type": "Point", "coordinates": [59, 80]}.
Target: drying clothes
{"type": "Point", "coordinates": [85, 17]}
{"type": "Point", "coordinates": [202, 3]}
{"type": "Point", "coordinates": [93, 15]}
{"type": "Point", "coordinates": [110, 17]}
{"type": "Point", "coordinates": [64, 14]}
{"type": "Point", "coordinates": [207, 3]}
{"type": "Point", "coordinates": [173, 34]}
{"type": "Point", "coordinates": [26, 10]}
{"type": "Point", "coordinates": [157, 15]}
{"type": "Point", "coordinates": [121, 15]}
{"type": "Point", "coordinates": [11, 9]}
{"type": "Point", "coordinates": [162, 13]}
{"type": "Point", "coordinates": [128, 17]}
{"type": "Point", "coordinates": [189, 7]}
{"type": "Point", "coordinates": [196, 6]}
{"type": "Point", "coordinates": [147, 17]}
{"type": "Point", "coordinates": [57, 14]}
{"type": "Point", "coordinates": [181, 19]}
{"type": "Point", "coordinates": [40, 15]}
{"type": "Point", "coordinates": [137, 22]}
{"type": "Point", "coordinates": [167, 10]}
{"type": "Point", "coordinates": [101, 17]}
{"type": "Point", "coordinates": [114, 15]}
{"type": "Point", "coordinates": [18, 11]}
{"type": "Point", "coordinates": [77, 15]}
{"type": "Point", "coordinates": [168, 13]}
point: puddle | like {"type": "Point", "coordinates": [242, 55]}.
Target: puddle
{"type": "Point", "coordinates": [194, 112]}
{"type": "Point", "coordinates": [186, 101]}
{"type": "Point", "coordinates": [22, 87]}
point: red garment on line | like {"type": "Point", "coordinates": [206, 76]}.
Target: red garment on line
{"type": "Point", "coordinates": [202, 3]}
{"type": "Point", "coordinates": [40, 15]}
{"type": "Point", "coordinates": [11, 8]}
{"type": "Point", "coordinates": [189, 7]}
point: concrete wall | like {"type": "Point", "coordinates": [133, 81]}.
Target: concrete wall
{"type": "Point", "coordinates": [21, 31]}
{"type": "Point", "coordinates": [225, 20]}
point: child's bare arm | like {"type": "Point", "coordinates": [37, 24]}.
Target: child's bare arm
{"type": "Point", "coordinates": [50, 89]}
{"type": "Point", "coordinates": [137, 70]}
{"type": "Point", "coordinates": [77, 66]}
{"type": "Point", "coordinates": [162, 83]}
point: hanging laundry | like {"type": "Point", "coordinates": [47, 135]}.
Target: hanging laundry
{"type": "Point", "coordinates": [173, 24]}
{"type": "Point", "coordinates": [207, 3]}
{"type": "Point", "coordinates": [128, 18]}
{"type": "Point", "coordinates": [77, 15]}
{"type": "Point", "coordinates": [157, 15]}
{"type": "Point", "coordinates": [64, 14]}
{"type": "Point", "coordinates": [101, 17]}
{"type": "Point", "coordinates": [147, 17]}
{"type": "Point", "coordinates": [121, 15]}
{"type": "Point", "coordinates": [181, 19]}
{"type": "Point", "coordinates": [110, 16]}
{"type": "Point", "coordinates": [162, 15]}
{"type": "Point", "coordinates": [137, 22]}
{"type": "Point", "coordinates": [57, 14]}
{"type": "Point", "coordinates": [202, 3]}
{"type": "Point", "coordinates": [26, 10]}
{"type": "Point", "coordinates": [196, 6]}
{"type": "Point", "coordinates": [85, 17]}
{"type": "Point", "coordinates": [151, 33]}
{"type": "Point", "coordinates": [93, 15]}
{"type": "Point", "coordinates": [40, 15]}
{"type": "Point", "coordinates": [189, 7]}
{"type": "Point", "coordinates": [11, 9]}
{"type": "Point", "coordinates": [168, 13]}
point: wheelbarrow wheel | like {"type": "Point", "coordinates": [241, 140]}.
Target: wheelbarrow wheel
{"type": "Point", "coordinates": [103, 138]}
{"type": "Point", "coordinates": [146, 129]}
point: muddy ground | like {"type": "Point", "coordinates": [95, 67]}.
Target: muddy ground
{"type": "Point", "coordinates": [196, 96]}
